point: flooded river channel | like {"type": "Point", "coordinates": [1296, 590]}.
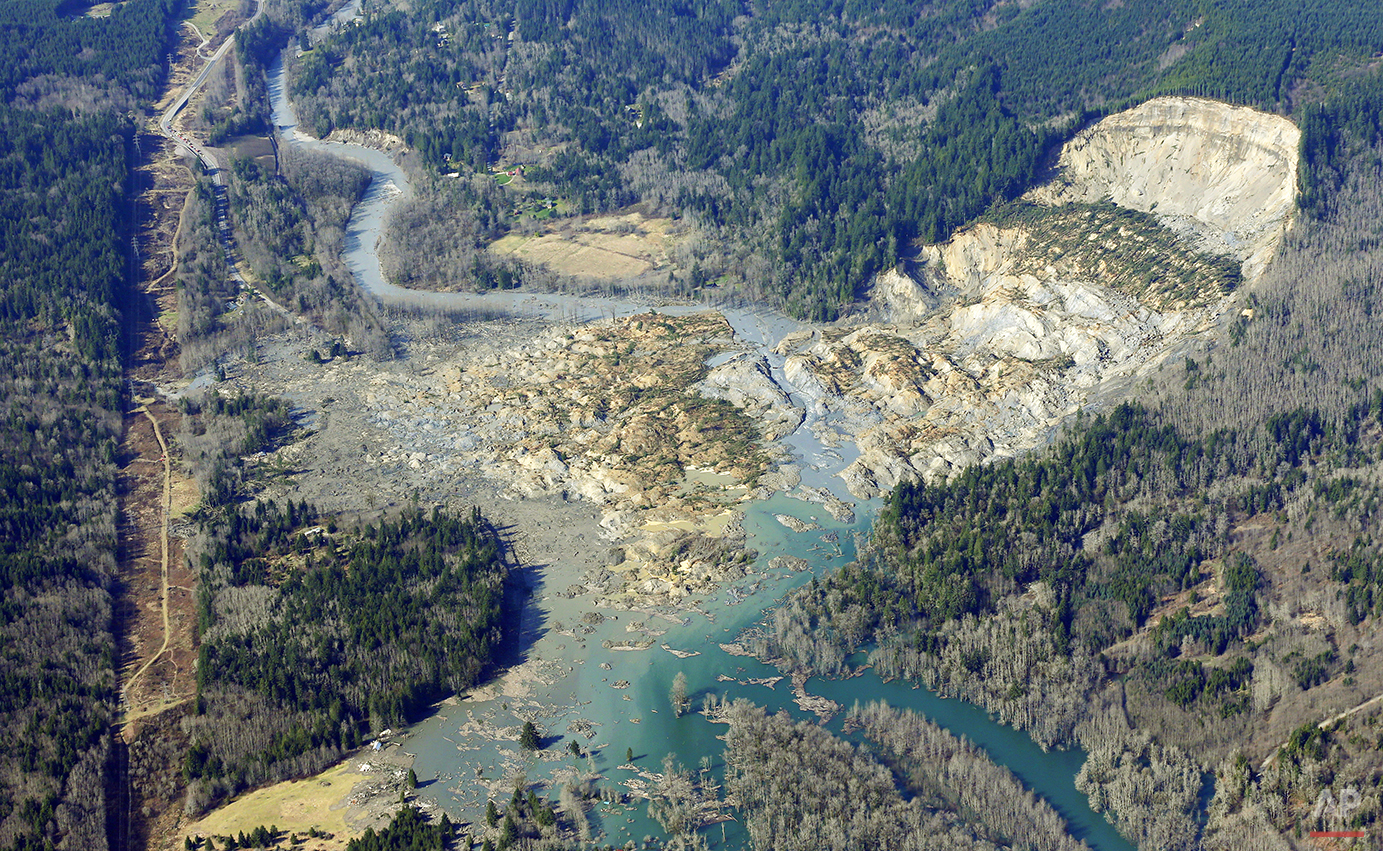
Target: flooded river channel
{"type": "Point", "coordinates": [577, 683]}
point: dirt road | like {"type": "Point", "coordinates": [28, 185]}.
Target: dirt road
{"type": "Point", "coordinates": [167, 506]}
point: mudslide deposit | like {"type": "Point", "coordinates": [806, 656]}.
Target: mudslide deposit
{"type": "Point", "coordinates": [1155, 217]}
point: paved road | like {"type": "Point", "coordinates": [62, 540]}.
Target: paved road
{"type": "Point", "coordinates": [166, 123]}
{"type": "Point", "coordinates": [212, 164]}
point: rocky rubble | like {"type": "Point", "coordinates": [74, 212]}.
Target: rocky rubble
{"type": "Point", "coordinates": [607, 414]}
{"type": "Point", "coordinates": [1006, 329]}
{"type": "Point", "coordinates": [746, 382]}
{"type": "Point", "coordinates": [979, 349]}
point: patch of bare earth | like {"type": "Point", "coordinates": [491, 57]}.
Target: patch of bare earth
{"type": "Point", "coordinates": [156, 595]}
{"type": "Point", "coordinates": [601, 248]}
{"type": "Point", "coordinates": [157, 663]}
{"type": "Point", "coordinates": [162, 180]}
{"type": "Point", "coordinates": [156, 620]}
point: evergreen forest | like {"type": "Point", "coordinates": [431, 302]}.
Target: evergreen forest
{"type": "Point", "coordinates": [313, 637]}
{"type": "Point", "coordinates": [812, 144]}
{"type": "Point", "coordinates": [65, 148]}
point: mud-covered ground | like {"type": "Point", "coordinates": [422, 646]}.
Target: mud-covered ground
{"type": "Point", "coordinates": [587, 446]}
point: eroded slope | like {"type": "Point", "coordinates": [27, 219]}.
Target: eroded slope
{"type": "Point", "coordinates": [1155, 217]}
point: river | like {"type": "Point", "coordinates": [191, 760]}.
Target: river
{"type": "Point", "coordinates": [467, 750]}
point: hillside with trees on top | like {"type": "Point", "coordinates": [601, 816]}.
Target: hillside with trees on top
{"type": "Point", "coordinates": [1183, 585]}
{"type": "Point", "coordinates": [809, 144]}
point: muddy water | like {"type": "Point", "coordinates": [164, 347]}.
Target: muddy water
{"type": "Point", "coordinates": [579, 685]}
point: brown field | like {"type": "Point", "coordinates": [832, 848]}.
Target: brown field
{"type": "Point", "coordinates": [157, 665]}
{"type": "Point", "coordinates": [161, 181]}
{"type": "Point", "coordinates": [603, 247]}
{"type": "Point", "coordinates": [259, 148]}
{"type": "Point", "coordinates": [157, 651]}
{"type": "Point", "coordinates": [154, 493]}
{"type": "Point", "coordinates": [100, 10]}
{"type": "Point", "coordinates": [215, 18]}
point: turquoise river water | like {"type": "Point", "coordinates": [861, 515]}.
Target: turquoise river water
{"type": "Point", "coordinates": [466, 752]}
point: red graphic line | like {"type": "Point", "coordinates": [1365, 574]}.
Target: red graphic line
{"type": "Point", "coordinates": [1338, 834]}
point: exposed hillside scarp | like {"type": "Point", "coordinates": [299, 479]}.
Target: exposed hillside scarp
{"type": "Point", "coordinates": [1155, 216]}
{"type": "Point", "coordinates": [1224, 175]}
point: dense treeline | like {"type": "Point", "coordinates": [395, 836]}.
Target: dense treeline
{"type": "Point", "coordinates": [63, 184]}
{"type": "Point", "coordinates": [1310, 337]}
{"type": "Point", "coordinates": [1073, 519]}
{"type": "Point", "coordinates": [812, 142]}
{"type": "Point", "coordinates": [800, 787]}
{"type": "Point", "coordinates": [217, 435]}
{"type": "Point", "coordinates": [1062, 592]}
{"type": "Point", "coordinates": [256, 45]}
{"type": "Point", "coordinates": [958, 548]}
{"type": "Point", "coordinates": [310, 636]}
{"type": "Point", "coordinates": [1333, 134]}
{"type": "Point", "coordinates": [953, 774]}
{"type": "Point", "coordinates": [291, 229]}
{"type": "Point", "coordinates": [61, 282]}
{"type": "Point", "coordinates": [50, 55]}
{"type": "Point", "coordinates": [409, 831]}
{"type": "Point", "coordinates": [206, 290]}
{"type": "Point", "coordinates": [438, 237]}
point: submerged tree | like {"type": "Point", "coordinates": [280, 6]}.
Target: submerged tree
{"type": "Point", "coordinates": [528, 738]}
{"type": "Point", "coordinates": [678, 694]}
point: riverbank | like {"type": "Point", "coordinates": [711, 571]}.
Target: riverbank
{"type": "Point", "coordinates": [496, 415]}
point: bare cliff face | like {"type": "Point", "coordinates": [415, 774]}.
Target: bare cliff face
{"type": "Point", "coordinates": [1155, 217]}
{"type": "Point", "coordinates": [1224, 175]}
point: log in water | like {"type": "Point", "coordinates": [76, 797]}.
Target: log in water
{"type": "Point", "coordinates": [570, 683]}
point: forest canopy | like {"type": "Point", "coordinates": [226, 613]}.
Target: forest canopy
{"type": "Point", "coordinates": [65, 147]}
{"type": "Point", "coordinates": [320, 636]}
{"type": "Point", "coordinates": [48, 50]}
{"type": "Point", "coordinates": [62, 263]}
{"type": "Point", "coordinates": [816, 142]}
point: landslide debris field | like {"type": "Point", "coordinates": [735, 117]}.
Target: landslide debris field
{"type": "Point", "coordinates": [593, 435]}
{"type": "Point", "coordinates": [658, 425]}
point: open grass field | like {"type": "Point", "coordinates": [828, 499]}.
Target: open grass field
{"type": "Point", "coordinates": [295, 806]}
{"type": "Point", "coordinates": [100, 10]}
{"type": "Point", "coordinates": [205, 14]}
{"type": "Point", "coordinates": [602, 247]}
{"type": "Point", "coordinates": [258, 148]}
